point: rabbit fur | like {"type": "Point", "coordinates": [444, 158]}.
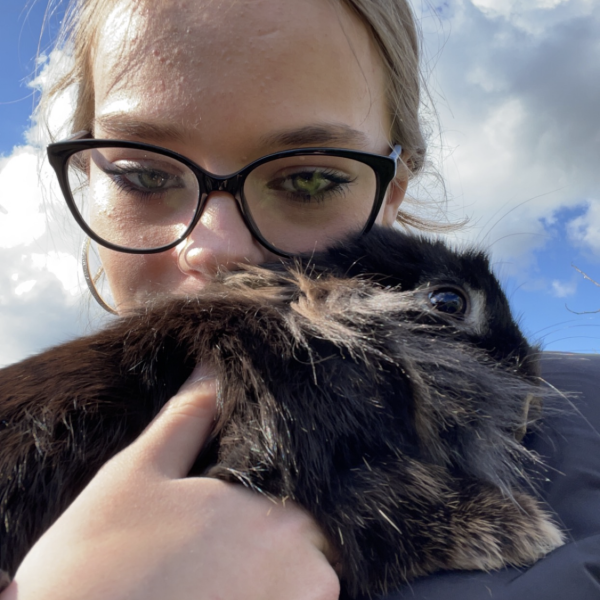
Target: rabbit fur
{"type": "Point", "coordinates": [381, 384]}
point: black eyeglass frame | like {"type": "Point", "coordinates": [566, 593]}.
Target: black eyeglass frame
{"type": "Point", "coordinates": [59, 153]}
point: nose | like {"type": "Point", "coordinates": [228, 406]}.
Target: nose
{"type": "Point", "coordinates": [220, 241]}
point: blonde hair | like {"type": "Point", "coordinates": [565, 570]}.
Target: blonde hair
{"type": "Point", "coordinates": [390, 22]}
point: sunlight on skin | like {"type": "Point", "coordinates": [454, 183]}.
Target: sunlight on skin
{"type": "Point", "coordinates": [176, 79]}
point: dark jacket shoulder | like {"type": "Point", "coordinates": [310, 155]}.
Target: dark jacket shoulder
{"type": "Point", "coordinates": [569, 443]}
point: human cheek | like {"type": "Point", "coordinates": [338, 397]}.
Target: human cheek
{"type": "Point", "coordinates": [136, 278]}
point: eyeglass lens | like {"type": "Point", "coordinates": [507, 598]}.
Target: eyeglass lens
{"type": "Point", "coordinates": [142, 200]}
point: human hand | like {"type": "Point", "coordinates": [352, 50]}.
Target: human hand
{"type": "Point", "coordinates": [142, 530]}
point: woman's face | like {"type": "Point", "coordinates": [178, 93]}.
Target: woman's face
{"type": "Point", "coordinates": [225, 82]}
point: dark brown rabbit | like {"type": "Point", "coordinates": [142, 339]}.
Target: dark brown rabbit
{"type": "Point", "coordinates": [382, 384]}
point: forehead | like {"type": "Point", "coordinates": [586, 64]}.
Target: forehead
{"type": "Point", "coordinates": [212, 66]}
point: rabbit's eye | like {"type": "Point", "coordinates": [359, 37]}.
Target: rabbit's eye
{"type": "Point", "coordinates": [449, 300]}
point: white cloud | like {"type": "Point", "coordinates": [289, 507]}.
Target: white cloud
{"type": "Point", "coordinates": [58, 118]}
{"type": "Point", "coordinates": [534, 17]}
{"type": "Point", "coordinates": [23, 219]}
{"type": "Point", "coordinates": [517, 97]}
{"type": "Point", "coordinates": [517, 93]}
{"type": "Point", "coordinates": [506, 8]}
{"type": "Point", "coordinates": [63, 266]}
{"type": "Point", "coordinates": [41, 289]}
{"type": "Point", "coordinates": [584, 230]}
{"type": "Point", "coordinates": [562, 289]}
{"type": "Point", "coordinates": [25, 287]}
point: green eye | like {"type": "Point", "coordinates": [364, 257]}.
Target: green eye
{"type": "Point", "coordinates": [309, 184]}
{"type": "Point", "coordinates": [151, 180]}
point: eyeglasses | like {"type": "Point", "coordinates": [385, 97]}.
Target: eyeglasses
{"type": "Point", "coordinates": [142, 199]}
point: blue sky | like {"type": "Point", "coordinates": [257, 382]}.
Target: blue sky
{"type": "Point", "coordinates": [20, 29]}
{"type": "Point", "coordinates": [516, 139]}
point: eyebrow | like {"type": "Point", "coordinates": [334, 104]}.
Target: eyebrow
{"type": "Point", "coordinates": [118, 126]}
{"type": "Point", "coordinates": [124, 126]}
{"type": "Point", "coordinates": [316, 135]}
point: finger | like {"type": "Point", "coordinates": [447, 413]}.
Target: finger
{"type": "Point", "coordinates": [323, 544]}
{"type": "Point", "coordinates": [172, 442]}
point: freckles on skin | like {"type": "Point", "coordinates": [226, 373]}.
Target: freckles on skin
{"type": "Point", "coordinates": [133, 272]}
{"type": "Point", "coordinates": [223, 67]}
{"type": "Point", "coordinates": [146, 278]}
{"type": "Point", "coordinates": [114, 61]}
{"type": "Point", "coordinates": [229, 74]}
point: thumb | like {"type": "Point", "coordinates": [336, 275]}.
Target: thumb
{"type": "Point", "coordinates": [173, 440]}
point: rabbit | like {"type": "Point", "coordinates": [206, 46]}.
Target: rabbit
{"type": "Point", "coordinates": [382, 384]}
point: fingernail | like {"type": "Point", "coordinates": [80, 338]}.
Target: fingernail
{"type": "Point", "coordinates": [201, 377]}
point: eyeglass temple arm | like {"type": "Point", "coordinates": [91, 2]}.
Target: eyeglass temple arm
{"type": "Point", "coordinates": [396, 152]}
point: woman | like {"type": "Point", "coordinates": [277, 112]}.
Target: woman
{"type": "Point", "coordinates": [222, 84]}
